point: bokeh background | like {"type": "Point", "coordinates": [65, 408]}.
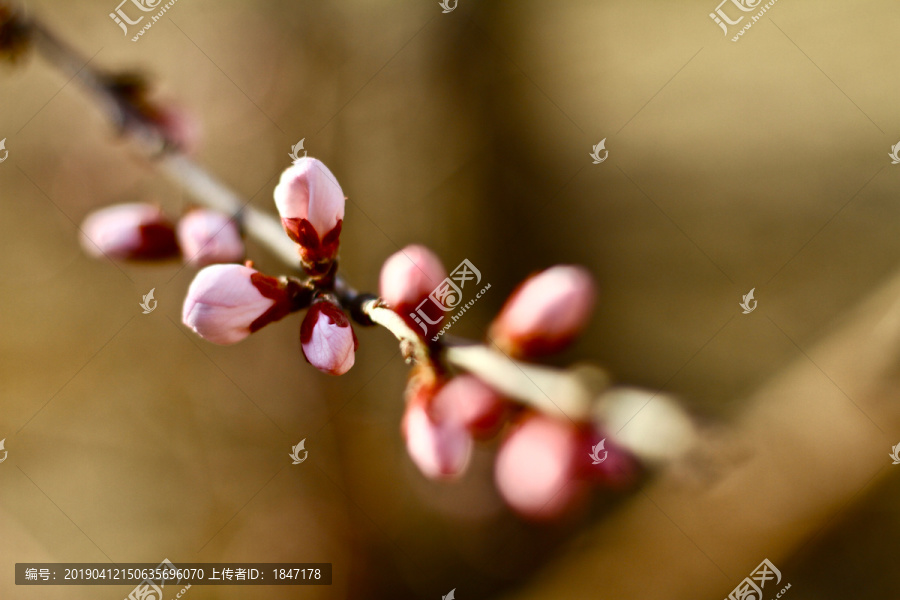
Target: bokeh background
{"type": "Point", "coordinates": [758, 164]}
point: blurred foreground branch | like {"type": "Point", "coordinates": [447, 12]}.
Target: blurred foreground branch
{"type": "Point", "coordinates": [801, 454]}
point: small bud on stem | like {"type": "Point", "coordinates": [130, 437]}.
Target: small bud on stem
{"type": "Point", "coordinates": [129, 231]}
{"type": "Point", "coordinates": [545, 313]}
{"type": "Point", "coordinates": [327, 338]}
{"type": "Point", "coordinates": [311, 204]}
{"type": "Point", "coordinates": [208, 237]}
{"type": "Point", "coordinates": [226, 303]}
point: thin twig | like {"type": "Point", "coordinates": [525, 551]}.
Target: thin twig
{"type": "Point", "coordinates": [212, 193]}
{"type": "Point", "coordinates": [549, 390]}
{"type": "Point", "coordinates": [410, 342]}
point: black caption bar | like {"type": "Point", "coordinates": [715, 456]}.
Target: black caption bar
{"type": "Point", "coordinates": [161, 575]}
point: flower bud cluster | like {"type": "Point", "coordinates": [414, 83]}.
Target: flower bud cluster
{"type": "Point", "coordinates": [225, 304]}
{"type": "Point", "coordinates": [543, 467]}
{"type": "Point", "coordinates": [143, 232]}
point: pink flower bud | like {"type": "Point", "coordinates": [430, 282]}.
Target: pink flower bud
{"type": "Point", "coordinates": [466, 400]}
{"type": "Point", "coordinates": [441, 449]}
{"type": "Point", "coordinates": [537, 468]}
{"type": "Point", "coordinates": [226, 303]}
{"type": "Point", "coordinates": [327, 338]}
{"type": "Point", "coordinates": [208, 237]}
{"type": "Point", "coordinates": [180, 127]}
{"type": "Point", "coordinates": [617, 468]}
{"type": "Point", "coordinates": [407, 278]}
{"type": "Point", "coordinates": [311, 204]}
{"type": "Point", "coordinates": [129, 231]}
{"type": "Point", "coordinates": [546, 312]}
